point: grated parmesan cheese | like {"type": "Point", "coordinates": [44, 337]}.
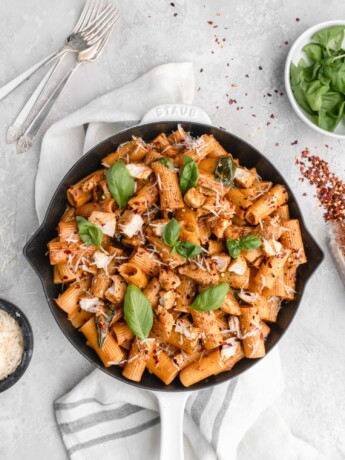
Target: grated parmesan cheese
{"type": "Point", "coordinates": [11, 345]}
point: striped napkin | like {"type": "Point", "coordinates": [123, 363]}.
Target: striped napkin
{"type": "Point", "coordinates": [102, 418]}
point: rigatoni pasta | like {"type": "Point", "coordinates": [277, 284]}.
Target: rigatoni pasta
{"type": "Point", "coordinates": [182, 219]}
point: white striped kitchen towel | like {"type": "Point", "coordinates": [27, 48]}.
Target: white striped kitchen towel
{"type": "Point", "coordinates": [102, 418]}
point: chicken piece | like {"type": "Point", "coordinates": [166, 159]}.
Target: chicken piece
{"type": "Point", "coordinates": [194, 199]}
{"type": "Point", "coordinates": [169, 280]}
{"type": "Point", "coordinates": [117, 291]}
{"type": "Point", "coordinates": [105, 221]}
{"type": "Point", "coordinates": [130, 223]}
{"type": "Point", "coordinates": [221, 262]}
{"type": "Point", "coordinates": [139, 170]}
{"type": "Point", "coordinates": [167, 299]}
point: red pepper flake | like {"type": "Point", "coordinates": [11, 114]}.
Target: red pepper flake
{"type": "Point", "coordinates": [253, 115]}
{"type": "Point", "coordinates": [201, 70]}
{"type": "Point", "coordinates": [268, 123]}
{"type": "Point", "coordinates": [227, 64]}
{"type": "Point", "coordinates": [233, 85]}
{"type": "Point", "coordinates": [305, 194]}
{"type": "Point", "coordinates": [277, 144]}
{"type": "Point", "coordinates": [210, 22]}
{"type": "Point", "coordinates": [269, 94]}
{"type": "Point", "coordinates": [294, 142]}
{"type": "Point", "coordinates": [271, 116]}
{"type": "Point", "coordinates": [247, 76]}
{"type": "Point", "coordinates": [281, 94]}
{"type": "Point", "coordinates": [232, 101]}
{"type": "Point", "coordinates": [172, 4]}
{"type": "Point", "coordinates": [260, 67]}
{"type": "Point", "coordinates": [175, 14]}
{"type": "Point", "coordinates": [297, 19]}
{"type": "Point", "coordinates": [330, 189]}
{"type": "Point", "coordinates": [286, 42]}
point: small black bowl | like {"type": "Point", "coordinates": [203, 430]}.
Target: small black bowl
{"type": "Point", "coordinates": [28, 338]}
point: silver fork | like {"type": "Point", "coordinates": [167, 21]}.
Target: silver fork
{"type": "Point", "coordinates": [90, 12]}
{"type": "Point", "coordinates": [25, 142]}
{"type": "Point", "coordinates": [76, 42]}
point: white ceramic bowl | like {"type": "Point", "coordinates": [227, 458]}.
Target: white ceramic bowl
{"type": "Point", "coordinates": [295, 54]}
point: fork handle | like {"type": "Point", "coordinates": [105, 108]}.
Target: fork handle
{"type": "Point", "coordinates": [25, 142]}
{"type": "Point", "coordinates": [10, 86]}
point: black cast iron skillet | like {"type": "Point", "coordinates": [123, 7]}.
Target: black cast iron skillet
{"type": "Point", "coordinates": [36, 248]}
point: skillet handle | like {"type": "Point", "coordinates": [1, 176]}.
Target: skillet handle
{"type": "Point", "coordinates": [171, 407]}
{"type": "Point", "coordinates": [176, 112]}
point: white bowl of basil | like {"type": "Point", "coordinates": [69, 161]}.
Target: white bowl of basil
{"type": "Point", "coordinates": [315, 77]}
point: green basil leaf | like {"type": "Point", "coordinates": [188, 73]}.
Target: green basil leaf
{"type": "Point", "coordinates": [336, 73]}
{"type": "Point", "coordinates": [332, 111]}
{"type": "Point", "coordinates": [103, 321]}
{"type": "Point", "coordinates": [211, 298]}
{"type": "Point", "coordinates": [120, 183]}
{"type": "Point", "coordinates": [299, 87]}
{"type": "Point", "coordinates": [314, 94]}
{"type": "Point", "coordinates": [165, 161]}
{"type": "Point", "coordinates": [233, 247]}
{"type": "Point", "coordinates": [311, 73]}
{"type": "Point", "coordinates": [330, 38]}
{"type": "Point", "coordinates": [138, 312]}
{"type": "Point", "coordinates": [89, 233]}
{"type": "Point", "coordinates": [225, 170]}
{"type": "Point", "coordinates": [189, 174]}
{"type": "Point", "coordinates": [187, 249]}
{"type": "Point", "coordinates": [314, 51]}
{"type": "Point", "coordinates": [250, 242]}
{"type": "Point", "coordinates": [171, 232]}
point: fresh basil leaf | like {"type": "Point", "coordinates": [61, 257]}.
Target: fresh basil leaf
{"type": "Point", "coordinates": [165, 161]}
{"type": "Point", "coordinates": [103, 320]}
{"type": "Point", "coordinates": [250, 242]}
{"type": "Point", "coordinates": [89, 233]}
{"type": "Point", "coordinates": [314, 94]}
{"type": "Point", "coordinates": [311, 73]}
{"type": "Point", "coordinates": [171, 232]}
{"type": "Point", "coordinates": [299, 87]}
{"type": "Point", "coordinates": [138, 312]}
{"type": "Point", "coordinates": [332, 111]}
{"type": "Point", "coordinates": [330, 38]}
{"type": "Point", "coordinates": [187, 249]}
{"type": "Point", "coordinates": [120, 183]}
{"type": "Point", "coordinates": [314, 51]}
{"type": "Point", "coordinates": [189, 174]}
{"type": "Point", "coordinates": [233, 247]}
{"type": "Point", "coordinates": [225, 170]}
{"type": "Point", "coordinates": [211, 298]}
{"type": "Point", "coordinates": [336, 73]}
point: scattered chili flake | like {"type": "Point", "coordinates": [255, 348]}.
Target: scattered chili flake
{"type": "Point", "coordinates": [253, 115]}
{"type": "Point", "coordinates": [281, 94]}
{"type": "Point", "coordinates": [277, 144]}
{"type": "Point", "coordinates": [260, 67]}
{"type": "Point", "coordinates": [297, 19]}
{"type": "Point", "coordinates": [268, 123]}
{"type": "Point", "coordinates": [286, 42]}
{"type": "Point", "coordinates": [210, 22]}
{"type": "Point", "coordinates": [294, 142]}
{"type": "Point", "coordinates": [172, 4]}
{"type": "Point", "coordinates": [247, 76]}
{"type": "Point", "coordinates": [175, 14]}
{"type": "Point", "coordinates": [234, 85]}
{"type": "Point", "coordinates": [276, 91]}
{"type": "Point", "coordinates": [227, 64]}
{"type": "Point", "coordinates": [305, 194]}
{"type": "Point", "coordinates": [271, 116]}
{"type": "Point", "coordinates": [330, 189]}
{"type": "Point", "coordinates": [269, 94]}
{"type": "Point", "coordinates": [232, 101]}
{"type": "Point", "coordinates": [201, 70]}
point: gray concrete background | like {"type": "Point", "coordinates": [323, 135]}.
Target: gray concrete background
{"type": "Point", "coordinates": [149, 34]}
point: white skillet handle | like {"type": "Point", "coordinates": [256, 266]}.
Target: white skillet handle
{"type": "Point", "coordinates": [171, 408]}
{"type": "Point", "coordinates": [176, 112]}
